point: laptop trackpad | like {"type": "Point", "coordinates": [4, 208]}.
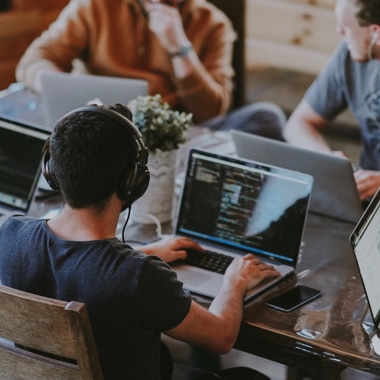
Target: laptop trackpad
{"type": "Point", "coordinates": [192, 277]}
{"type": "Point", "coordinates": [199, 280]}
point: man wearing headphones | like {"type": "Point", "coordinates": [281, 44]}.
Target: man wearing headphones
{"type": "Point", "coordinates": [97, 159]}
{"type": "Point", "coordinates": [351, 80]}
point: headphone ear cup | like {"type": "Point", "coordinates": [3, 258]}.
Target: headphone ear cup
{"type": "Point", "coordinates": [134, 184]}
{"type": "Point", "coordinates": [46, 168]}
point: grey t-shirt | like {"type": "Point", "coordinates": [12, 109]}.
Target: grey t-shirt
{"type": "Point", "coordinates": [345, 83]}
{"type": "Point", "coordinates": [131, 297]}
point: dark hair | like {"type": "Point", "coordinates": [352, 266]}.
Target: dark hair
{"type": "Point", "coordinates": [89, 153]}
{"type": "Point", "coordinates": [369, 12]}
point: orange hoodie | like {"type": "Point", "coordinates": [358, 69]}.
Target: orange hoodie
{"type": "Point", "coordinates": [111, 37]}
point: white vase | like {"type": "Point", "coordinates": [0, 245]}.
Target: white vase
{"type": "Point", "coordinates": [157, 202]}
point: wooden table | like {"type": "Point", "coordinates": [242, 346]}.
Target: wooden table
{"type": "Point", "coordinates": [325, 336]}
{"type": "Point", "coordinates": [329, 334]}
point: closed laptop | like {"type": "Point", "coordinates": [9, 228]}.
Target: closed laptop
{"type": "Point", "coordinates": [64, 92]}
{"type": "Point", "coordinates": [334, 190]}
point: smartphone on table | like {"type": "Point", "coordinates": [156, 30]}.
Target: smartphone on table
{"type": "Point", "coordinates": [294, 298]}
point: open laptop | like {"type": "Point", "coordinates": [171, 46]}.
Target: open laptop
{"type": "Point", "coordinates": [334, 190]}
{"type": "Point", "coordinates": [365, 242]}
{"type": "Point", "coordinates": [235, 207]}
{"type": "Point", "coordinates": [20, 165]}
{"type": "Point", "coordinates": [63, 92]}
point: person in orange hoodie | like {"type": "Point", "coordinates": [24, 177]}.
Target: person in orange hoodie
{"type": "Point", "coordinates": [183, 48]}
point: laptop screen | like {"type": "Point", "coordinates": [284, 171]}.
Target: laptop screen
{"type": "Point", "coordinates": [20, 161]}
{"type": "Point", "coordinates": [77, 90]}
{"type": "Point", "coordinates": [248, 206]}
{"type": "Point", "coordinates": [365, 241]}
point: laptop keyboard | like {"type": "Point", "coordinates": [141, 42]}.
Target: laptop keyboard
{"type": "Point", "coordinates": [210, 260]}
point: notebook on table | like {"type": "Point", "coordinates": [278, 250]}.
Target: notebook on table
{"type": "Point", "coordinates": [20, 165]}
{"type": "Point", "coordinates": [64, 92]}
{"type": "Point", "coordinates": [365, 242]}
{"type": "Point", "coordinates": [334, 190]}
{"type": "Point", "coordinates": [234, 207]}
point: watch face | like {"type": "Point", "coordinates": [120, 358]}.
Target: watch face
{"type": "Point", "coordinates": [183, 51]}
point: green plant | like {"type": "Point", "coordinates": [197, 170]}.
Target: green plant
{"type": "Point", "coordinates": [161, 127]}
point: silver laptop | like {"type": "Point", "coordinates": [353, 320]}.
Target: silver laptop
{"type": "Point", "coordinates": [20, 165]}
{"type": "Point", "coordinates": [63, 92]}
{"type": "Point", "coordinates": [334, 190]}
{"type": "Point", "coordinates": [234, 207]}
{"type": "Point", "coordinates": [365, 241]}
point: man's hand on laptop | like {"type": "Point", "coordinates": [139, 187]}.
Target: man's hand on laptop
{"type": "Point", "coordinates": [171, 248]}
{"type": "Point", "coordinates": [367, 182]}
{"type": "Point", "coordinates": [249, 269]}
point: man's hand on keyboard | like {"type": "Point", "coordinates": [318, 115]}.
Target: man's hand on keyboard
{"type": "Point", "coordinates": [249, 269]}
{"type": "Point", "coordinates": [171, 248]}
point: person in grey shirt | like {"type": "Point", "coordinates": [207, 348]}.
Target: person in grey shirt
{"type": "Point", "coordinates": [351, 79]}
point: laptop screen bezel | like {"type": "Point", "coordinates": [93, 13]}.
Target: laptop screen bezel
{"type": "Point", "coordinates": [245, 162]}
{"type": "Point", "coordinates": [34, 129]}
{"type": "Point", "coordinates": [372, 209]}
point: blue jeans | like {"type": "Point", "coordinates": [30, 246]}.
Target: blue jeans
{"type": "Point", "coordinates": [262, 118]}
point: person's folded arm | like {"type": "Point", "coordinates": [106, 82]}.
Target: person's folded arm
{"type": "Point", "coordinates": [205, 83]}
{"type": "Point", "coordinates": [203, 75]}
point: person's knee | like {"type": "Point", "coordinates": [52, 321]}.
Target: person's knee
{"type": "Point", "coordinates": [261, 118]}
{"type": "Point", "coordinates": [273, 112]}
{"type": "Point", "coordinates": [264, 119]}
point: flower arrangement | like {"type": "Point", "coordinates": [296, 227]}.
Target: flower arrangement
{"type": "Point", "coordinates": [161, 127]}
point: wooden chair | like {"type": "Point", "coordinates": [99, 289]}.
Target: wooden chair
{"type": "Point", "coordinates": [235, 11]}
{"type": "Point", "coordinates": [53, 330]}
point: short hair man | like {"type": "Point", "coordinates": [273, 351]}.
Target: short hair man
{"type": "Point", "coordinates": [350, 80]}
{"type": "Point", "coordinates": [183, 48]}
{"type": "Point", "coordinates": [97, 160]}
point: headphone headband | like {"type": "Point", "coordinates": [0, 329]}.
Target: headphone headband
{"type": "Point", "coordinates": [142, 151]}
{"type": "Point", "coordinates": [134, 181]}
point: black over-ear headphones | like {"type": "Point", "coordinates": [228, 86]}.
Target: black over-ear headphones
{"type": "Point", "coordinates": [134, 181]}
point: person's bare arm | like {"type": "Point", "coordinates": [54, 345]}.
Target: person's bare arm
{"type": "Point", "coordinates": [217, 328]}
{"type": "Point", "coordinates": [304, 127]}
{"type": "Point", "coordinates": [367, 183]}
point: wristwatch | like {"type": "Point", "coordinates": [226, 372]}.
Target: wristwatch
{"type": "Point", "coordinates": [183, 51]}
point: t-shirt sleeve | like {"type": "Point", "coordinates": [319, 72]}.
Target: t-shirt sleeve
{"type": "Point", "coordinates": [326, 95]}
{"type": "Point", "coordinates": [165, 303]}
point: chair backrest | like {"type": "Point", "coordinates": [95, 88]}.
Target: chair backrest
{"type": "Point", "coordinates": [52, 330]}
{"type": "Point", "coordinates": [235, 11]}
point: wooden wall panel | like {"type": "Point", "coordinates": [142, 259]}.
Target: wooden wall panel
{"type": "Point", "coordinates": [262, 53]}
{"type": "Point", "coordinates": [318, 3]}
{"type": "Point", "coordinates": [292, 34]}
{"type": "Point", "coordinates": [19, 27]}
